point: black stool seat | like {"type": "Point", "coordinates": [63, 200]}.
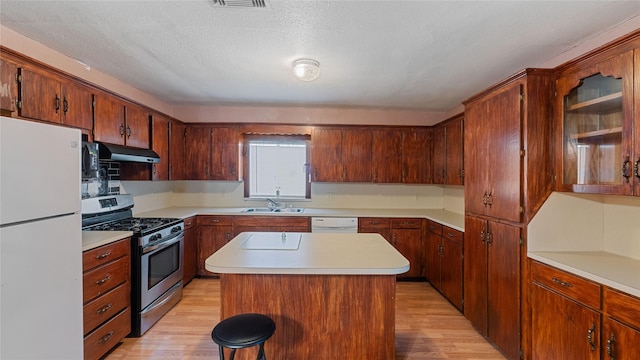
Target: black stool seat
{"type": "Point", "coordinates": [243, 331]}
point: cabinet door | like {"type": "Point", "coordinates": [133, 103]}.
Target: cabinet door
{"type": "Point", "coordinates": [190, 267]}
{"type": "Point", "coordinates": [503, 287]}
{"type": "Point", "coordinates": [595, 112]}
{"type": "Point", "coordinates": [455, 153]}
{"type": "Point", "coordinates": [8, 98]}
{"type": "Point", "coordinates": [326, 154]}
{"type": "Point", "coordinates": [356, 155]}
{"type": "Point", "coordinates": [562, 328]}
{"type": "Point", "coordinates": [224, 154]}
{"type": "Point", "coordinates": [433, 260]}
{"type": "Point", "coordinates": [636, 106]}
{"type": "Point", "coordinates": [212, 238]}
{"type": "Point", "coordinates": [160, 144]}
{"type": "Point", "coordinates": [387, 156]}
{"type": "Point", "coordinates": [620, 342]}
{"type": "Point", "coordinates": [137, 127]}
{"type": "Point", "coordinates": [451, 273]}
{"type": "Point", "coordinates": [475, 145]}
{"type": "Point", "coordinates": [416, 147]}
{"type": "Point", "coordinates": [40, 96]}
{"type": "Point", "coordinates": [108, 124]}
{"type": "Point", "coordinates": [76, 105]}
{"type": "Point", "coordinates": [176, 150]}
{"type": "Point", "coordinates": [409, 243]}
{"type": "Point", "coordinates": [475, 272]}
{"type": "Point", "coordinates": [197, 152]}
{"type": "Point", "coordinates": [439, 163]}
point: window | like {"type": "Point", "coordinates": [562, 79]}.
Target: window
{"type": "Point", "coordinates": [276, 165]}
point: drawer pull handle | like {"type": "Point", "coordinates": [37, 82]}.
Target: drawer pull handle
{"type": "Point", "coordinates": [102, 256]}
{"type": "Point", "coordinates": [562, 283]}
{"type": "Point", "coordinates": [215, 220]}
{"type": "Point", "coordinates": [104, 309]}
{"type": "Point", "coordinates": [451, 235]}
{"type": "Point", "coordinates": [102, 281]}
{"type": "Point", "coordinates": [590, 337]}
{"type": "Point", "coordinates": [106, 337]}
{"type": "Point", "coordinates": [610, 343]}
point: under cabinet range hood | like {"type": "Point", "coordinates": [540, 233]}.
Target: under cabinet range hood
{"type": "Point", "coordinates": [126, 154]}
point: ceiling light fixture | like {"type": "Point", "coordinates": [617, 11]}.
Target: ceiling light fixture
{"type": "Point", "coordinates": [306, 69]}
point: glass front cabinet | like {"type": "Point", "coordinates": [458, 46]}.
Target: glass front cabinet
{"type": "Point", "coordinates": [595, 112]}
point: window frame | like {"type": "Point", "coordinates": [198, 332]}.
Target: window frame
{"type": "Point", "coordinates": [246, 176]}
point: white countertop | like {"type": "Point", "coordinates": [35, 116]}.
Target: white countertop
{"type": "Point", "coordinates": [609, 269]}
{"type": "Point", "coordinates": [94, 239]}
{"type": "Point", "coordinates": [316, 254]}
{"type": "Point", "coordinates": [448, 218]}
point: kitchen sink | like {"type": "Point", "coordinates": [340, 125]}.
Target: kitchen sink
{"type": "Point", "coordinates": [268, 210]}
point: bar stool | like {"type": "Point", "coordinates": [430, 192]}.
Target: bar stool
{"type": "Point", "coordinates": [243, 331]}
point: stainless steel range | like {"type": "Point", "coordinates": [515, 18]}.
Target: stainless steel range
{"type": "Point", "coordinates": [157, 254]}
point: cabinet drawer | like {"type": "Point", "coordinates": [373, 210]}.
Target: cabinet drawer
{"type": "Point", "coordinates": [406, 223]}
{"type": "Point", "coordinates": [621, 306]}
{"type": "Point", "coordinates": [374, 223]}
{"type": "Point", "coordinates": [104, 307]}
{"type": "Point", "coordinates": [100, 280]}
{"type": "Point", "coordinates": [104, 254]}
{"type": "Point", "coordinates": [434, 227]}
{"type": "Point", "coordinates": [273, 221]}
{"type": "Point", "coordinates": [572, 286]}
{"type": "Point", "coordinates": [452, 234]}
{"type": "Point", "coordinates": [215, 220]}
{"type": "Point", "coordinates": [104, 338]}
{"type": "Point", "coordinates": [189, 222]}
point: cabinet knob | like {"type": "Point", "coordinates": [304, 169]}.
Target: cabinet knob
{"type": "Point", "coordinates": [57, 103]}
{"type": "Point", "coordinates": [610, 344]}
{"type": "Point", "coordinates": [591, 336]}
{"type": "Point", "coordinates": [128, 131]}
{"type": "Point", "coordinates": [626, 169]}
{"type": "Point", "coordinates": [636, 168]}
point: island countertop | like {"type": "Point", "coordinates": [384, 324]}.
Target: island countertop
{"type": "Point", "coordinates": [308, 253]}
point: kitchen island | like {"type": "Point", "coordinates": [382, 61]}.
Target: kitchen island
{"type": "Point", "coordinates": [332, 296]}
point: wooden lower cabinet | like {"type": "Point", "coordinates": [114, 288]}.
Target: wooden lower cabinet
{"type": "Point", "coordinates": [576, 318]}
{"type": "Point", "coordinates": [375, 225]}
{"type": "Point", "coordinates": [214, 232]}
{"type": "Point", "coordinates": [190, 260]}
{"type": "Point", "coordinates": [106, 296]}
{"type": "Point", "coordinates": [443, 263]}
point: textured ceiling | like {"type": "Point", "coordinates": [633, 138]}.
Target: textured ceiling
{"type": "Point", "coordinates": [423, 55]}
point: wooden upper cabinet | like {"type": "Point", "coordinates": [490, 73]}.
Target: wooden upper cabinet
{"type": "Point", "coordinates": [160, 144]}
{"type": "Point", "coordinates": [454, 152]}
{"type": "Point", "coordinates": [197, 152]}
{"type": "Point", "coordinates": [596, 127]}
{"type": "Point", "coordinates": [120, 123]}
{"type": "Point", "coordinates": [47, 98]}
{"type": "Point", "coordinates": [386, 153]}
{"type": "Point", "coordinates": [416, 156]}
{"type": "Point", "coordinates": [636, 116]}
{"type": "Point", "coordinates": [356, 155]}
{"type": "Point", "coordinates": [326, 154]}
{"type": "Point", "coordinates": [176, 150]}
{"type": "Point", "coordinates": [8, 97]}
{"type": "Point", "coordinates": [225, 153]}
{"type": "Point", "coordinates": [439, 158]}
{"type": "Point", "coordinates": [137, 127]}
{"type": "Point", "coordinates": [493, 158]}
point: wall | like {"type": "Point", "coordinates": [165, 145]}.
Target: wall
{"type": "Point", "coordinates": [155, 195]}
{"type": "Point", "coordinates": [576, 222]}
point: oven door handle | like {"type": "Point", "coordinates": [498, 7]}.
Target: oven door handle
{"type": "Point", "coordinates": [162, 245]}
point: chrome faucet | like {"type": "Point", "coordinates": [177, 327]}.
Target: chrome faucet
{"type": "Point", "coordinates": [272, 204]}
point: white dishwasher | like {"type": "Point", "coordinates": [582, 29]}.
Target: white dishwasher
{"type": "Point", "coordinates": [334, 225]}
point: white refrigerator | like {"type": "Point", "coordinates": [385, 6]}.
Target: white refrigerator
{"type": "Point", "coordinates": [40, 242]}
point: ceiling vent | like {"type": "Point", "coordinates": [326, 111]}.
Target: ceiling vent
{"type": "Point", "coordinates": [237, 4]}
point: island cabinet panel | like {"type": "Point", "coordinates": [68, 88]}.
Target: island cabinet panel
{"type": "Point", "coordinates": [271, 224]}
{"type": "Point", "coordinates": [190, 263]}
{"type": "Point", "coordinates": [214, 232]}
{"type": "Point", "coordinates": [106, 296]}
{"type": "Point", "coordinates": [317, 316]}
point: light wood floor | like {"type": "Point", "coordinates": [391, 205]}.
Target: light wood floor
{"type": "Point", "coordinates": [427, 327]}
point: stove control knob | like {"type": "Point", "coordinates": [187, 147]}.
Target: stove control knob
{"type": "Point", "coordinates": [176, 229]}
{"type": "Point", "coordinates": [155, 237]}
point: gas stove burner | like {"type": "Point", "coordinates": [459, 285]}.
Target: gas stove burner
{"type": "Point", "coordinates": [138, 226]}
